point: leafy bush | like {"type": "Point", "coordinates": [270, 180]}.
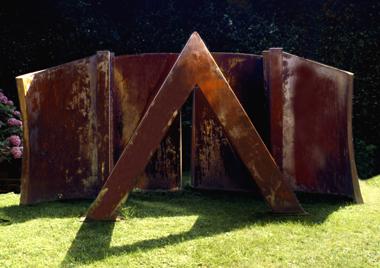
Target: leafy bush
{"type": "Point", "coordinates": [365, 157]}
{"type": "Point", "coordinates": [10, 130]}
{"type": "Point", "coordinates": [341, 33]}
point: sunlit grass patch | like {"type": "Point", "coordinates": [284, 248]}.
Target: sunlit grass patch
{"type": "Point", "coordinates": [191, 229]}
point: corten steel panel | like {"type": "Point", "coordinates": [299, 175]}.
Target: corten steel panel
{"type": "Point", "coordinates": [67, 131]}
{"type": "Point", "coordinates": [215, 165]}
{"type": "Point", "coordinates": [311, 135]}
{"type": "Point", "coordinates": [194, 66]}
{"type": "Point", "coordinates": [137, 79]}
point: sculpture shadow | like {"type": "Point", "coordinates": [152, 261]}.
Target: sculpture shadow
{"type": "Point", "coordinates": [15, 214]}
{"type": "Point", "coordinates": [216, 213]}
{"type": "Point", "coordinates": [91, 243]}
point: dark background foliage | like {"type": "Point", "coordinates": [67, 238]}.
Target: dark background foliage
{"type": "Point", "coordinates": [342, 33]}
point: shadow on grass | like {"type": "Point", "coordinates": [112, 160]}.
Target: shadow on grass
{"type": "Point", "coordinates": [91, 243]}
{"type": "Point", "coordinates": [217, 213]}
{"type": "Point", "coordinates": [66, 209]}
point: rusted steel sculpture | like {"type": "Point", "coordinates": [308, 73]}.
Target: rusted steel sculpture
{"type": "Point", "coordinates": [81, 117]}
{"type": "Point", "coordinates": [67, 134]}
{"type": "Point", "coordinates": [215, 165]}
{"type": "Point", "coordinates": [136, 81]}
{"type": "Point", "coordinates": [194, 66]}
{"type": "Point", "coordinates": [311, 135]}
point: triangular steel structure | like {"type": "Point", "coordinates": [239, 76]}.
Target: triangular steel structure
{"type": "Point", "coordinates": [195, 66]}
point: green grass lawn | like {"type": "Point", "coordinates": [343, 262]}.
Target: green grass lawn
{"type": "Point", "coordinates": [191, 229]}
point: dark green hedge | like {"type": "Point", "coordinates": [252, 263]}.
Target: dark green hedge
{"type": "Point", "coordinates": [345, 34]}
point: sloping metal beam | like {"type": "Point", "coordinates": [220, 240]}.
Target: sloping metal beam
{"type": "Point", "coordinates": [136, 81]}
{"type": "Point", "coordinates": [215, 165]}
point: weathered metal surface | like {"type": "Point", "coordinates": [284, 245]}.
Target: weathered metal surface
{"type": "Point", "coordinates": [194, 66]}
{"type": "Point", "coordinates": [67, 130]}
{"type": "Point", "coordinates": [215, 165]}
{"type": "Point", "coordinates": [137, 79]}
{"type": "Point", "coordinates": [311, 135]}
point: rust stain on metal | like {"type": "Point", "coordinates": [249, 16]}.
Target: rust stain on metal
{"type": "Point", "coordinates": [311, 124]}
{"type": "Point", "coordinates": [273, 64]}
{"type": "Point", "coordinates": [195, 66]}
{"type": "Point", "coordinates": [136, 82]}
{"type": "Point", "coordinates": [66, 115]}
{"type": "Point", "coordinates": [163, 171]}
{"type": "Point", "coordinates": [215, 165]}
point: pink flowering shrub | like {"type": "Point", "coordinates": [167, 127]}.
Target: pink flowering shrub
{"type": "Point", "coordinates": [10, 130]}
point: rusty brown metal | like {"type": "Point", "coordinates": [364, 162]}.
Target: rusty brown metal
{"type": "Point", "coordinates": [215, 165]}
{"type": "Point", "coordinates": [89, 116]}
{"type": "Point", "coordinates": [137, 79]}
{"type": "Point", "coordinates": [311, 135]}
{"type": "Point", "coordinates": [67, 130]}
{"type": "Point", "coordinates": [194, 66]}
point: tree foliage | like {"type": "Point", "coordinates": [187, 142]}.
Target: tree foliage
{"type": "Point", "coordinates": [341, 33]}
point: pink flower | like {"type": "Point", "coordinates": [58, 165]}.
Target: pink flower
{"type": "Point", "coordinates": [10, 103]}
{"type": "Point", "coordinates": [3, 99]}
{"type": "Point", "coordinates": [14, 122]}
{"type": "Point", "coordinates": [16, 152]}
{"type": "Point", "coordinates": [16, 113]}
{"type": "Point", "coordinates": [14, 140]}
